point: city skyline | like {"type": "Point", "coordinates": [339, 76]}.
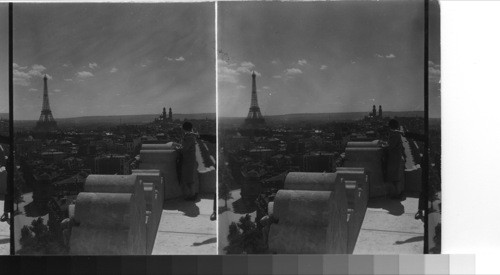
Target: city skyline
{"type": "Point", "coordinates": [326, 57]}
{"type": "Point", "coordinates": [114, 59]}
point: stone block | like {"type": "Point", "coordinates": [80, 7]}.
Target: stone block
{"type": "Point", "coordinates": [153, 176]}
{"type": "Point", "coordinates": [309, 222]}
{"type": "Point", "coordinates": [357, 201]}
{"type": "Point", "coordinates": [153, 189]}
{"type": "Point", "coordinates": [166, 162]}
{"type": "Point", "coordinates": [369, 158]}
{"type": "Point", "coordinates": [310, 181]}
{"type": "Point", "coordinates": [117, 184]}
{"type": "Point", "coordinates": [109, 224]}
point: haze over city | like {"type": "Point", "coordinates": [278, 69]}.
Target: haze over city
{"type": "Point", "coordinates": [326, 57]}
{"type": "Point", "coordinates": [114, 59]}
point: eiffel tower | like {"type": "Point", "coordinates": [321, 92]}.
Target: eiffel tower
{"type": "Point", "coordinates": [254, 118]}
{"type": "Point", "coordinates": [46, 122]}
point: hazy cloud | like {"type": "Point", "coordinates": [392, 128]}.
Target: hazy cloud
{"type": "Point", "coordinates": [113, 70]}
{"type": "Point", "coordinates": [18, 67]}
{"type": "Point", "coordinates": [22, 75]}
{"type": "Point", "coordinates": [230, 72]}
{"type": "Point", "coordinates": [389, 56]}
{"type": "Point", "coordinates": [247, 67]}
{"type": "Point", "coordinates": [302, 62]}
{"type": "Point", "coordinates": [293, 71]}
{"type": "Point", "coordinates": [93, 65]}
{"type": "Point", "coordinates": [323, 67]}
{"type": "Point", "coordinates": [84, 74]}
{"type": "Point", "coordinates": [180, 58]}
{"type": "Point", "coordinates": [227, 73]}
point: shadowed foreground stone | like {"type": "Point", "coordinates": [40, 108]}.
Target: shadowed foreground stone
{"type": "Point", "coordinates": [109, 224]}
{"type": "Point", "coordinates": [309, 222]}
{"type": "Point", "coordinates": [355, 182]}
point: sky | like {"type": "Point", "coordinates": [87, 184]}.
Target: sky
{"type": "Point", "coordinates": [4, 58]}
{"type": "Point", "coordinates": [325, 57]}
{"type": "Point", "coordinates": [114, 59]}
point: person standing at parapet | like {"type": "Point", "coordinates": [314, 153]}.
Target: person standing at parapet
{"type": "Point", "coordinates": [188, 165]}
{"type": "Point", "coordinates": [395, 155]}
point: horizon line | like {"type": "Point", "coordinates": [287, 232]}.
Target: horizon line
{"type": "Point", "coordinates": [87, 116]}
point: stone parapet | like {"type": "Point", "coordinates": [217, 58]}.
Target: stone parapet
{"type": "Point", "coordinates": [309, 222]}
{"type": "Point", "coordinates": [117, 214]}
{"type": "Point", "coordinates": [108, 224]}
{"type": "Point", "coordinates": [355, 182]}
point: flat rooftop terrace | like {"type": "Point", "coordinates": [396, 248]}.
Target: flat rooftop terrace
{"type": "Point", "coordinates": [390, 227]}
{"type": "Point", "coordinates": [186, 229]}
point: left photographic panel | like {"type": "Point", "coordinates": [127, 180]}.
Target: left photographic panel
{"type": "Point", "coordinates": [115, 130]}
{"type": "Point", "coordinates": [5, 204]}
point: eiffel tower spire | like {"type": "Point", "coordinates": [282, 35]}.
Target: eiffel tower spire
{"type": "Point", "coordinates": [254, 116]}
{"type": "Point", "coordinates": [46, 122]}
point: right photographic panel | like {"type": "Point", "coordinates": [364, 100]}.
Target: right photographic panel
{"type": "Point", "coordinates": [329, 127]}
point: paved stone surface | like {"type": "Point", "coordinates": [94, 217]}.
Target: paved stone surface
{"type": "Point", "coordinates": [389, 227]}
{"type": "Point", "coordinates": [186, 229]}
{"type": "Point", "coordinates": [4, 234]}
